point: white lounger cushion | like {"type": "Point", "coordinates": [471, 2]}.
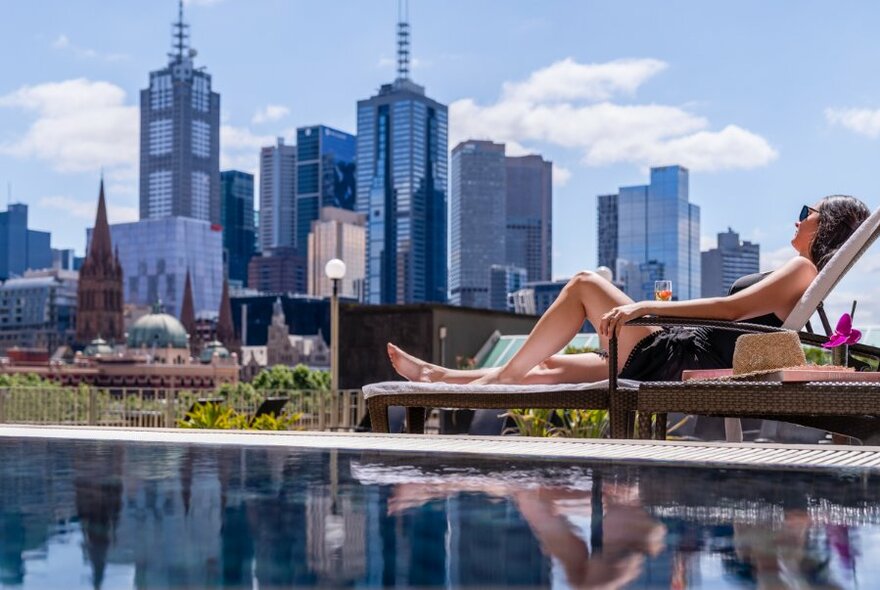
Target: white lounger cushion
{"type": "Point", "coordinates": [829, 276]}
{"type": "Point", "coordinates": [414, 387]}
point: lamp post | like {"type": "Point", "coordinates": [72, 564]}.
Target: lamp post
{"type": "Point", "coordinates": [335, 270]}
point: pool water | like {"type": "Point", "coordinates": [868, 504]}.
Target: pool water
{"type": "Point", "coordinates": [150, 515]}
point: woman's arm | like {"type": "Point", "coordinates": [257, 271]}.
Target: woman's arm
{"type": "Point", "coordinates": [777, 293]}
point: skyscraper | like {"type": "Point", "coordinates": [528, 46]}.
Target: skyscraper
{"type": "Point", "coordinates": [606, 230]}
{"type": "Point", "coordinates": [277, 196]}
{"type": "Point", "coordinates": [658, 236]}
{"type": "Point", "coordinates": [180, 138]}
{"type": "Point", "coordinates": [723, 265]}
{"type": "Point", "coordinates": [339, 233]}
{"type": "Point", "coordinates": [503, 281]}
{"type": "Point", "coordinates": [325, 175]}
{"type": "Point", "coordinates": [99, 292]}
{"type": "Point", "coordinates": [237, 219]}
{"type": "Point", "coordinates": [529, 240]}
{"type": "Point", "coordinates": [401, 187]}
{"type": "Point", "coordinates": [21, 248]}
{"type": "Point", "coordinates": [478, 220]}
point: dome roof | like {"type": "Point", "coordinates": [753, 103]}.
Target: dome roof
{"type": "Point", "coordinates": [98, 347]}
{"type": "Point", "coordinates": [158, 330]}
{"type": "Point", "coordinates": [212, 348]}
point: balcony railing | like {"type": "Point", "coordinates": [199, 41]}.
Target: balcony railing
{"type": "Point", "coordinates": [164, 408]}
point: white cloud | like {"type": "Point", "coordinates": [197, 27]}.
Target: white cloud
{"type": "Point", "coordinates": [271, 112]}
{"type": "Point", "coordinates": [561, 175]}
{"type": "Point", "coordinates": [86, 209]}
{"type": "Point", "coordinates": [568, 80]}
{"type": "Point", "coordinates": [708, 243]}
{"type": "Point", "coordinates": [862, 121]}
{"type": "Point", "coordinates": [570, 105]}
{"type": "Point", "coordinates": [79, 126]}
{"type": "Point", "coordinates": [63, 43]}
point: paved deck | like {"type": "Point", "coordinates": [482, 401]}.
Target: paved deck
{"type": "Point", "coordinates": [689, 454]}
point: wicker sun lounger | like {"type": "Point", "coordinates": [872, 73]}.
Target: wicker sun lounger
{"type": "Point", "coordinates": [417, 398]}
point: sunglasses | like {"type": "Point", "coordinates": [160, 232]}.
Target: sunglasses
{"type": "Point", "coordinates": [805, 212]}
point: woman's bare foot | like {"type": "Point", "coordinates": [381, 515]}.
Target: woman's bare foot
{"type": "Point", "coordinates": [412, 368]}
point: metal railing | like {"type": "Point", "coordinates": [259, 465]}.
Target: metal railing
{"type": "Point", "coordinates": [152, 407]}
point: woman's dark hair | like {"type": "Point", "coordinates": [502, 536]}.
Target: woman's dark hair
{"type": "Point", "coordinates": [839, 217]}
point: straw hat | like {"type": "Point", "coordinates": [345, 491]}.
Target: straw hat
{"type": "Point", "coordinates": [759, 354]}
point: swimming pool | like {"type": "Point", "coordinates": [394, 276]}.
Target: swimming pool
{"type": "Point", "coordinates": [114, 514]}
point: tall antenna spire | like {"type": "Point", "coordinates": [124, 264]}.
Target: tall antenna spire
{"type": "Point", "coordinates": [180, 36]}
{"type": "Point", "coordinates": [403, 40]}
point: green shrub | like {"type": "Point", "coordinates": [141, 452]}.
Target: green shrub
{"type": "Point", "coordinates": [223, 417]}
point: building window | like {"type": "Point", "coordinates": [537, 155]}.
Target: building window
{"type": "Point", "coordinates": [201, 139]}
{"type": "Point", "coordinates": [201, 94]}
{"type": "Point", "coordinates": [160, 92]}
{"type": "Point", "coordinates": [160, 194]}
{"type": "Point", "coordinates": [201, 195]}
{"type": "Point", "coordinates": [160, 137]}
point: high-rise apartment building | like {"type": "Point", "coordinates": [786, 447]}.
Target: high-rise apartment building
{"type": "Point", "coordinates": [325, 175]}
{"type": "Point", "coordinates": [339, 233]}
{"type": "Point", "coordinates": [237, 219]}
{"type": "Point", "coordinates": [21, 248]}
{"type": "Point", "coordinates": [401, 187]}
{"type": "Point", "coordinates": [606, 230]}
{"type": "Point", "coordinates": [278, 196]}
{"type": "Point", "coordinates": [180, 138]}
{"type": "Point", "coordinates": [529, 240]}
{"type": "Point", "coordinates": [658, 236]}
{"type": "Point", "coordinates": [478, 220]}
{"type": "Point", "coordinates": [723, 265]}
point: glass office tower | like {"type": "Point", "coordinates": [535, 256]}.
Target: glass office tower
{"type": "Point", "coordinates": [180, 138]}
{"type": "Point", "coordinates": [401, 187]}
{"type": "Point", "coordinates": [325, 175]}
{"type": "Point", "coordinates": [237, 219]}
{"type": "Point", "coordinates": [21, 248]}
{"type": "Point", "coordinates": [401, 172]}
{"type": "Point", "coordinates": [156, 254]}
{"type": "Point", "coordinates": [529, 239]}
{"type": "Point", "coordinates": [478, 220]}
{"type": "Point", "coordinates": [658, 236]}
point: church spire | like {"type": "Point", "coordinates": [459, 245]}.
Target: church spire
{"type": "Point", "coordinates": [100, 248]}
{"type": "Point", "coordinates": [225, 328]}
{"type": "Point", "coordinates": [99, 291]}
{"type": "Point", "coordinates": [188, 313]}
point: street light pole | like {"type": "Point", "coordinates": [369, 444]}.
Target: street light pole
{"type": "Point", "coordinates": [335, 270]}
{"type": "Point", "coordinates": [334, 337]}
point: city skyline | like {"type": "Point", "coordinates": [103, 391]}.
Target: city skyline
{"type": "Point", "coordinates": [813, 146]}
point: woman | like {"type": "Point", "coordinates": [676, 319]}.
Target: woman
{"type": "Point", "coordinates": [654, 353]}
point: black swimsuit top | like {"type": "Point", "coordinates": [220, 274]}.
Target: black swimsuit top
{"type": "Point", "coordinates": [747, 281]}
{"type": "Point", "coordinates": [724, 341]}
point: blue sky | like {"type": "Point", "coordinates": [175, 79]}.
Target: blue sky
{"type": "Point", "coordinates": [770, 104]}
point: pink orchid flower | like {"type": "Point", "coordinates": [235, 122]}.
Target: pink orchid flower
{"type": "Point", "coordinates": [844, 333]}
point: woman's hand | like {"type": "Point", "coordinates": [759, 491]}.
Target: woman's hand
{"type": "Point", "coordinates": [617, 317]}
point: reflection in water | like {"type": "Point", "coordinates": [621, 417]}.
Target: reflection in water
{"type": "Point", "coordinates": [188, 516]}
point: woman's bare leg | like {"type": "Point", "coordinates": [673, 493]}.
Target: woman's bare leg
{"type": "Point", "coordinates": [587, 296]}
{"type": "Point", "coordinates": [568, 368]}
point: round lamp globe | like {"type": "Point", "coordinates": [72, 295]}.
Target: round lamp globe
{"type": "Point", "coordinates": [334, 269]}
